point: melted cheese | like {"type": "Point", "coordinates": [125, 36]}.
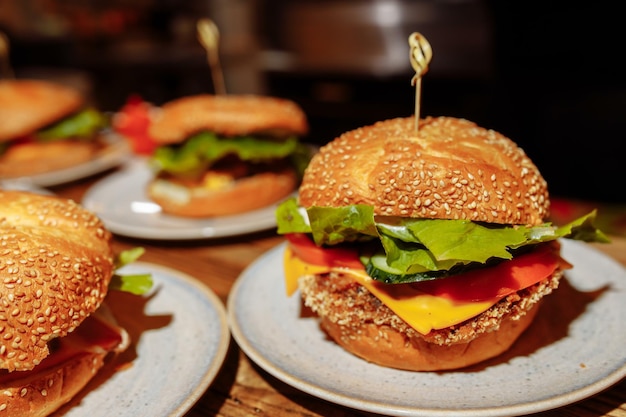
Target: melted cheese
{"type": "Point", "coordinates": [421, 311]}
{"type": "Point", "coordinates": [215, 181]}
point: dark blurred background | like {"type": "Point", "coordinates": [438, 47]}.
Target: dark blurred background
{"type": "Point", "coordinates": [546, 74]}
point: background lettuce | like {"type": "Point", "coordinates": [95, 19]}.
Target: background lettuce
{"type": "Point", "coordinates": [83, 124]}
{"type": "Point", "coordinates": [200, 151]}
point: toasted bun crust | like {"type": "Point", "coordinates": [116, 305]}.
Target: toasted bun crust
{"type": "Point", "coordinates": [451, 169]}
{"type": "Point", "coordinates": [42, 393]}
{"type": "Point", "coordinates": [55, 268]}
{"type": "Point", "coordinates": [385, 346]}
{"type": "Point", "coordinates": [358, 322]}
{"type": "Point", "coordinates": [242, 195]}
{"type": "Point", "coordinates": [29, 105]}
{"type": "Point", "coordinates": [32, 158]}
{"type": "Point", "coordinates": [75, 360]}
{"type": "Point", "coordinates": [228, 115]}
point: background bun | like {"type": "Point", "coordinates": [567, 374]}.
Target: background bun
{"type": "Point", "coordinates": [33, 158]}
{"type": "Point", "coordinates": [29, 105]}
{"type": "Point", "coordinates": [243, 195]}
{"type": "Point", "coordinates": [55, 268]}
{"type": "Point", "coordinates": [229, 115]}
{"type": "Point", "coordinates": [452, 169]}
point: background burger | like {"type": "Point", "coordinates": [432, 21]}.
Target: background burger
{"type": "Point", "coordinates": [55, 271]}
{"type": "Point", "coordinates": [45, 127]}
{"type": "Point", "coordinates": [424, 251]}
{"type": "Point", "coordinates": [225, 154]}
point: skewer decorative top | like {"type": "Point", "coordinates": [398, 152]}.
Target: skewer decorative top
{"type": "Point", "coordinates": [420, 54]}
{"type": "Point", "coordinates": [209, 36]}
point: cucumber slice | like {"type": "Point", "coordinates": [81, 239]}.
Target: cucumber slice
{"type": "Point", "coordinates": [377, 268]}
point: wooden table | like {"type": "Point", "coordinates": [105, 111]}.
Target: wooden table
{"type": "Point", "coordinates": [242, 388]}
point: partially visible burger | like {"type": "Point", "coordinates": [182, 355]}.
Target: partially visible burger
{"type": "Point", "coordinates": [45, 127]}
{"type": "Point", "coordinates": [226, 154]}
{"type": "Point", "coordinates": [424, 251]}
{"type": "Point", "coordinates": [56, 267]}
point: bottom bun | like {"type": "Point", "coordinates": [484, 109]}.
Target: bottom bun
{"type": "Point", "coordinates": [243, 195]}
{"type": "Point", "coordinates": [35, 158]}
{"type": "Point", "coordinates": [361, 324]}
{"type": "Point", "coordinates": [386, 346]}
{"type": "Point", "coordinates": [41, 393]}
{"type": "Point", "coordinates": [74, 361]}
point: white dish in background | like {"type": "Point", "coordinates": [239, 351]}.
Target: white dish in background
{"type": "Point", "coordinates": [580, 356]}
{"type": "Point", "coordinates": [116, 152]}
{"type": "Point", "coordinates": [179, 339]}
{"type": "Point", "coordinates": [120, 200]}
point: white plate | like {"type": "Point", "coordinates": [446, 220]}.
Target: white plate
{"type": "Point", "coordinates": [121, 202]}
{"type": "Point", "coordinates": [21, 185]}
{"type": "Point", "coordinates": [180, 340]}
{"type": "Point", "coordinates": [116, 151]}
{"type": "Point", "coordinates": [580, 354]}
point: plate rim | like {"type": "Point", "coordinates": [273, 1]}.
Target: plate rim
{"type": "Point", "coordinates": [257, 356]}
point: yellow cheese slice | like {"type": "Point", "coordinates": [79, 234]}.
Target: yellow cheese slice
{"type": "Point", "coordinates": [423, 312]}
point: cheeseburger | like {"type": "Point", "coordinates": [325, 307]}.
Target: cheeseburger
{"type": "Point", "coordinates": [424, 251]}
{"type": "Point", "coordinates": [45, 127]}
{"type": "Point", "coordinates": [225, 154]}
{"type": "Point", "coordinates": [56, 266]}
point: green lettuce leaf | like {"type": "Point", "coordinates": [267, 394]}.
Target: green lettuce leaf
{"type": "Point", "coordinates": [137, 284]}
{"type": "Point", "coordinates": [289, 219]}
{"type": "Point", "coordinates": [345, 224]}
{"type": "Point", "coordinates": [583, 229]}
{"type": "Point", "coordinates": [202, 150]}
{"type": "Point", "coordinates": [412, 257]}
{"type": "Point", "coordinates": [79, 125]}
{"type": "Point", "coordinates": [464, 239]}
{"type": "Point", "coordinates": [417, 245]}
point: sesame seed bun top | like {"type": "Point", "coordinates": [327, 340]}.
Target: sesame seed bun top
{"type": "Point", "coordinates": [228, 115]}
{"type": "Point", "coordinates": [451, 169]}
{"type": "Point", "coordinates": [29, 105]}
{"type": "Point", "coordinates": [55, 268]}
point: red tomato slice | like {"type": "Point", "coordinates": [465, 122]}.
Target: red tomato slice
{"type": "Point", "coordinates": [133, 121]}
{"type": "Point", "coordinates": [494, 282]}
{"type": "Point", "coordinates": [304, 248]}
{"type": "Point", "coordinates": [499, 281]}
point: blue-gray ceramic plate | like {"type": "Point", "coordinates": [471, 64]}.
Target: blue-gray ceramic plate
{"type": "Point", "coordinates": [573, 349]}
{"type": "Point", "coordinates": [180, 338]}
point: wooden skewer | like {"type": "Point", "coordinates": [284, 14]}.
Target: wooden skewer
{"type": "Point", "coordinates": [5, 62]}
{"type": "Point", "coordinates": [421, 53]}
{"type": "Point", "coordinates": [209, 35]}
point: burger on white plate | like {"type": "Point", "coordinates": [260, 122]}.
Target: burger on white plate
{"type": "Point", "coordinates": [219, 155]}
{"type": "Point", "coordinates": [424, 251]}
{"type": "Point", "coordinates": [45, 127]}
{"type": "Point", "coordinates": [56, 267]}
